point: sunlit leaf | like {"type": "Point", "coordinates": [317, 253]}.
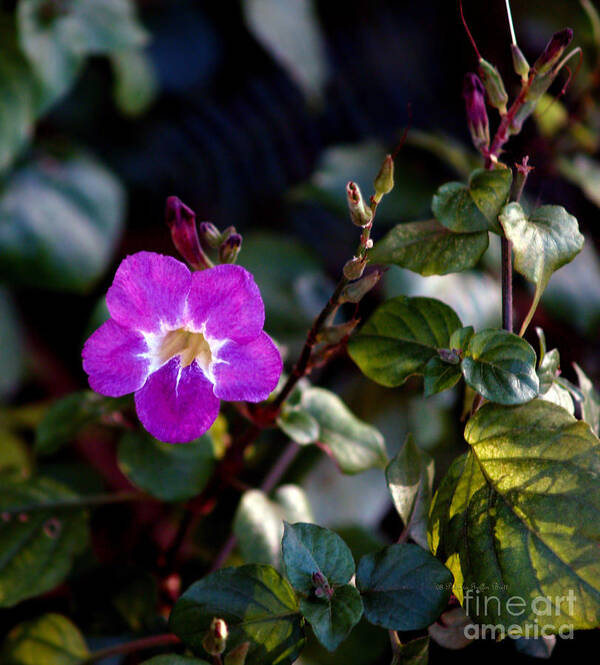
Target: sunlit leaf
{"type": "Point", "coordinates": [591, 400]}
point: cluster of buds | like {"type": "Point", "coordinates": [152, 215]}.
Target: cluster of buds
{"type": "Point", "coordinates": [358, 289]}
{"type": "Point", "coordinates": [322, 586]}
{"type": "Point", "coordinates": [196, 243]}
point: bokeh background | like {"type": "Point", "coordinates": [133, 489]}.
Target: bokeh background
{"type": "Point", "coordinates": [256, 113]}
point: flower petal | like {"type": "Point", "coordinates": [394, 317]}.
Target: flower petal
{"type": "Point", "coordinates": [113, 361]}
{"type": "Point", "coordinates": [227, 300]}
{"type": "Point", "coordinates": [149, 289]}
{"type": "Point", "coordinates": [177, 404]}
{"type": "Point", "coordinates": [250, 372]}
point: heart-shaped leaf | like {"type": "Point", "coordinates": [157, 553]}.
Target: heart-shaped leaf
{"type": "Point", "coordinates": [542, 242]}
{"type": "Point", "coordinates": [299, 425]}
{"type": "Point", "coordinates": [403, 587]}
{"type": "Point", "coordinates": [50, 639]}
{"type": "Point", "coordinates": [467, 209]}
{"type": "Point", "coordinates": [401, 337]}
{"type": "Point", "coordinates": [429, 248]}
{"type": "Point", "coordinates": [333, 618]}
{"type": "Point", "coordinates": [258, 605]}
{"type": "Point", "coordinates": [439, 375]}
{"type": "Point", "coordinates": [501, 366]}
{"type": "Point", "coordinates": [410, 478]}
{"type": "Point", "coordinates": [42, 530]}
{"type": "Point", "coordinates": [168, 472]}
{"type": "Point", "coordinates": [518, 516]}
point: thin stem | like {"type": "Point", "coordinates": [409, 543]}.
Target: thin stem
{"type": "Point", "coordinates": [510, 23]}
{"type": "Point", "coordinates": [396, 647]}
{"type": "Point", "coordinates": [78, 502]}
{"type": "Point", "coordinates": [131, 647]}
{"type": "Point", "coordinates": [507, 291]}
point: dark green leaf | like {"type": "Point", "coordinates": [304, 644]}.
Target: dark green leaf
{"type": "Point", "coordinates": [59, 223]}
{"type": "Point", "coordinates": [415, 652]}
{"type": "Point", "coordinates": [429, 248]}
{"type": "Point", "coordinates": [299, 425]}
{"type": "Point", "coordinates": [518, 516]}
{"type": "Point", "coordinates": [401, 337]}
{"type": "Point", "coordinates": [167, 471]}
{"type": "Point", "coordinates": [39, 537]}
{"type": "Point", "coordinates": [403, 587]}
{"type": "Point", "coordinates": [57, 45]}
{"type": "Point", "coordinates": [48, 640]}
{"type": "Point", "coordinates": [439, 375]}
{"type": "Point", "coordinates": [354, 445]}
{"type": "Point", "coordinates": [12, 360]}
{"type": "Point", "coordinates": [68, 416]}
{"type": "Point", "coordinates": [258, 522]}
{"type": "Point", "coordinates": [460, 338]}
{"type": "Point", "coordinates": [309, 549]}
{"type": "Point", "coordinates": [542, 242]}
{"type": "Point", "coordinates": [258, 605]}
{"type": "Point", "coordinates": [410, 478]}
{"type": "Point", "coordinates": [465, 209]}
{"type": "Point", "coordinates": [501, 366]}
{"type": "Point", "coordinates": [332, 619]}
{"type": "Point", "coordinates": [590, 408]}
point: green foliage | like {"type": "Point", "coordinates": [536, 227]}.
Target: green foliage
{"type": "Point", "coordinates": [518, 514]}
{"type": "Point", "coordinates": [403, 587]}
{"type": "Point", "coordinates": [439, 375]}
{"type": "Point", "coordinates": [415, 652]}
{"type": "Point", "coordinates": [168, 472]}
{"type": "Point", "coordinates": [258, 605]}
{"type": "Point", "coordinates": [299, 425]}
{"type": "Point", "coordinates": [172, 659]}
{"type": "Point", "coordinates": [410, 479]}
{"type": "Point", "coordinates": [472, 208]}
{"type": "Point", "coordinates": [135, 85]}
{"type": "Point", "coordinates": [59, 223]}
{"type": "Point", "coordinates": [39, 537]}
{"type": "Point", "coordinates": [15, 459]}
{"type": "Point", "coordinates": [542, 242]}
{"type": "Point", "coordinates": [501, 366]}
{"type": "Point", "coordinates": [50, 639]}
{"type": "Point", "coordinates": [429, 248]}
{"type": "Point", "coordinates": [68, 416]}
{"type": "Point", "coordinates": [258, 522]}
{"type": "Point", "coordinates": [401, 337]}
{"type": "Point", "coordinates": [590, 407]}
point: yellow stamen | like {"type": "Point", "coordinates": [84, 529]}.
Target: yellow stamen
{"type": "Point", "coordinates": [188, 345]}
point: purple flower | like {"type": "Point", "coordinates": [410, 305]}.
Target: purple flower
{"type": "Point", "coordinates": [181, 342]}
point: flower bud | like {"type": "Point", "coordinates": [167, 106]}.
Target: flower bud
{"type": "Point", "coordinates": [210, 236]}
{"type": "Point", "coordinates": [322, 587]}
{"type": "Point", "coordinates": [229, 250]}
{"type": "Point", "coordinates": [477, 117]}
{"type": "Point", "coordinates": [215, 640]}
{"type": "Point", "coordinates": [354, 268]}
{"type": "Point", "coordinates": [384, 182]}
{"type": "Point", "coordinates": [520, 64]}
{"type": "Point", "coordinates": [494, 86]}
{"type": "Point", "coordinates": [360, 214]}
{"type": "Point", "coordinates": [238, 655]}
{"type": "Point", "coordinates": [355, 291]}
{"type": "Point", "coordinates": [553, 51]}
{"type": "Point", "coordinates": [450, 356]}
{"type": "Point", "coordinates": [182, 224]}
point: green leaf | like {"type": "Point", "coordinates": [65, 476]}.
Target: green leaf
{"type": "Point", "coordinates": [467, 209]}
{"type": "Point", "coordinates": [299, 425]}
{"type": "Point", "coordinates": [556, 394]}
{"type": "Point", "coordinates": [429, 248]}
{"type": "Point", "coordinates": [258, 605]}
{"type": "Point", "coordinates": [39, 537]}
{"type": "Point", "coordinates": [401, 337]}
{"type": "Point", "coordinates": [590, 408]}
{"type": "Point", "coordinates": [68, 416]}
{"type": "Point", "coordinates": [518, 516]}
{"type": "Point", "coordinates": [50, 639]}
{"type": "Point", "coordinates": [14, 456]}
{"type": "Point", "coordinates": [542, 242]}
{"type": "Point", "coordinates": [59, 223]}
{"type": "Point", "coordinates": [173, 659]}
{"type": "Point", "coordinates": [501, 366]}
{"type": "Point", "coordinates": [333, 618]}
{"type": "Point", "coordinates": [135, 86]}
{"type": "Point", "coordinates": [258, 522]}
{"type": "Point", "coordinates": [459, 339]}
{"type": "Point", "coordinates": [12, 357]}
{"type": "Point", "coordinates": [415, 652]}
{"type": "Point", "coordinates": [439, 375]}
{"type": "Point", "coordinates": [583, 172]}
{"type": "Point", "coordinates": [403, 587]}
{"type": "Point", "coordinates": [410, 478]}
{"type": "Point", "coordinates": [19, 94]}
{"type": "Point", "coordinates": [56, 42]}
{"type": "Point", "coordinates": [168, 472]}
{"type": "Point", "coordinates": [353, 444]}
{"type": "Point", "coordinates": [309, 549]}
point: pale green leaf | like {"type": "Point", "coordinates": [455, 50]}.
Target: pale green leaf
{"type": "Point", "coordinates": [590, 406]}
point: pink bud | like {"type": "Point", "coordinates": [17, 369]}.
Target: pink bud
{"type": "Point", "coordinates": [182, 223]}
{"type": "Point", "coordinates": [477, 117]}
{"type": "Point", "coordinates": [553, 51]}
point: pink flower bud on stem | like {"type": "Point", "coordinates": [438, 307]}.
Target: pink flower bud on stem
{"type": "Point", "coordinates": [230, 248]}
{"type": "Point", "coordinates": [182, 224]}
{"type": "Point", "coordinates": [553, 51]}
{"type": "Point", "coordinates": [210, 236]}
{"type": "Point", "coordinates": [360, 214]}
{"type": "Point", "coordinates": [520, 64]}
{"type": "Point", "coordinates": [384, 181]}
{"type": "Point", "coordinates": [477, 117]}
{"type": "Point", "coordinates": [215, 640]}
